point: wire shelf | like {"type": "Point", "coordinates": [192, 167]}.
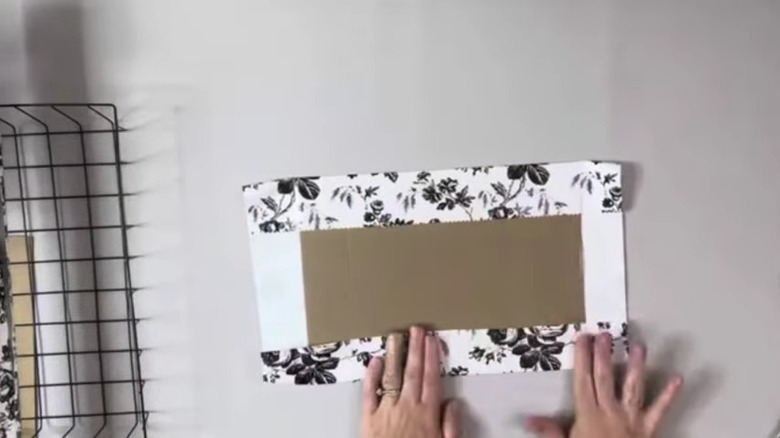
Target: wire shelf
{"type": "Point", "coordinates": [63, 193]}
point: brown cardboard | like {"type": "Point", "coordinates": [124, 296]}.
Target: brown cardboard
{"type": "Point", "coordinates": [20, 250]}
{"type": "Point", "coordinates": [468, 275]}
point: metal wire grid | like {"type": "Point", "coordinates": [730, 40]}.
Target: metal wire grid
{"type": "Point", "coordinates": [64, 192]}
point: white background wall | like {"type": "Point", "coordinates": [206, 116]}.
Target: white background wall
{"type": "Point", "coordinates": [686, 93]}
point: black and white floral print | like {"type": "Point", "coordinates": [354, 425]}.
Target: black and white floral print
{"type": "Point", "coordinates": [535, 348]}
{"type": "Point", "coordinates": [408, 198]}
{"type": "Point", "coordinates": [411, 198]}
{"type": "Point", "coordinates": [467, 352]}
{"type": "Point", "coordinates": [9, 395]}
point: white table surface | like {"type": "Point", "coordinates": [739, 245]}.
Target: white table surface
{"type": "Point", "coordinates": [685, 93]}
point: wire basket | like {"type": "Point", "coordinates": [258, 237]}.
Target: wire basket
{"type": "Point", "coordinates": [77, 354]}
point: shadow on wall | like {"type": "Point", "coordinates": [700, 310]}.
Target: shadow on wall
{"type": "Point", "coordinates": [54, 43]}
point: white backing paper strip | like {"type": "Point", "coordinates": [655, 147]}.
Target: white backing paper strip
{"type": "Point", "coordinates": [281, 303]}
{"type": "Point", "coordinates": [604, 266]}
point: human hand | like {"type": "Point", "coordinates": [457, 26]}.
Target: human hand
{"type": "Point", "coordinates": [408, 406]}
{"type": "Point", "coordinates": [598, 412]}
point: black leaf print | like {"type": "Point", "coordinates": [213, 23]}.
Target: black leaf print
{"type": "Point", "coordinates": [329, 364]}
{"type": "Point", "coordinates": [609, 178]}
{"type": "Point", "coordinates": [303, 377]}
{"type": "Point", "coordinates": [295, 368]}
{"type": "Point", "coordinates": [556, 348]}
{"type": "Point", "coordinates": [499, 188]}
{"type": "Point", "coordinates": [371, 191]}
{"type": "Point", "coordinates": [549, 363]}
{"type": "Point", "coordinates": [308, 188]}
{"type": "Point", "coordinates": [324, 378]}
{"type": "Point", "coordinates": [392, 176]}
{"type": "Point", "coordinates": [521, 349]}
{"type": "Point", "coordinates": [538, 174]}
{"type": "Point", "coordinates": [271, 204]}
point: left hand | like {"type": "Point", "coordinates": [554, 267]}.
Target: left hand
{"type": "Point", "coordinates": [410, 404]}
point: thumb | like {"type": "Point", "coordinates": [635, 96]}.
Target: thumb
{"type": "Point", "coordinates": [451, 419]}
{"type": "Point", "coordinates": [545, 427]}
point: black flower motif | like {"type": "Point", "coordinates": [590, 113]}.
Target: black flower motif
{"type": "Point", "coordinates": [616, 193]}
{"type": "Point", "coordinates": [313, 369]}
{"type": "Point", "coordinates": [306, 187]}
{"type": "Point", "coordinates": [607, 203]}
{"type": "Point", "coordinates": [507, 337]}
{"type": "Point", "coordinates": [447, 185]}
{"type": "Point", "coordinates": [430, 194]}
{"type": "Point", "coordinates": [271, 226]}
{"type": "Point", "coordinates": [377, 206]}
{"type": "Point", "coordinates": [369, 217]}
{"type": "Point", "coordinates": [540, 347]}
{"type": "Point", "coordinates": [314, 365]}
{"type": "Point", "coordinates": [458, 371]}
{"type": "Point", "coordinates": [536, 173]}
{"type": "Point", "coordinates": [501, 212]}
{"type": "Point", "coordinates": [279, 358]}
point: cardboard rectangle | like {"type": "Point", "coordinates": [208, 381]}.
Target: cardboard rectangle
{"type": "Point", "coordinates": [463, 275]}
{"type": "Point", "coordinates": [19, 251]}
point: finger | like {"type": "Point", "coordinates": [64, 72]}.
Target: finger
{"type": "Point", "coordinates": [451, 420]}
{"type": "Point", "coordinates": [370, 385]}
{"type": "Point", "coordinates": [634, 386]}
{"type": "Point", "coordinates": [657, 410]}
{"type": "Point", "coordinates": [603, 374]}
{"type": "Point", "coordinates": [392, 376]}
{"type": "Point", "coordinates": [415, 356]}
{"type": "Point", "coordinates": [584, 396]}
{"type": "Point", "coordinates": [545, 427]}
{"type": "Point", "coordinates": [431, 389]}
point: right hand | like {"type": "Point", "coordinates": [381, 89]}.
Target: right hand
{"type": "Point", "coordinates": [598, 412]}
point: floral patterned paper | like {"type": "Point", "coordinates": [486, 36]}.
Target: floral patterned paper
{"type": "Point", "coordinates": [9, 396]}
{"type": "Point", "coordinates": [467, 352]}
{"type": "Point", "coordinates": [407, 198]}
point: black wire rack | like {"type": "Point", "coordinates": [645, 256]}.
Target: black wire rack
{"type": "Point", "coordinates": [63, 192]}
